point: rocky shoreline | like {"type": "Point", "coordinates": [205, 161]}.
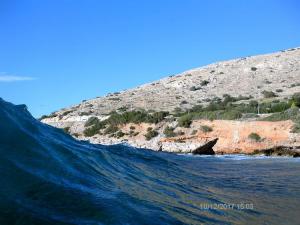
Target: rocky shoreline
{"type": "Point", "coordinates": [207, 149]}
{"type": "Point", "coordinates": [225, 137]}
{"type": "Point", "coordinates": [279, 151]}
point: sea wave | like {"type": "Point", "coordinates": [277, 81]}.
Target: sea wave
{"type": "Point", "coordinates": [48, 177]}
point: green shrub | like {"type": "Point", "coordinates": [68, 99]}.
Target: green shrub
{"type": "Point", "coordinates": [169, 132]}
{"type": "Point", "coordinates": [194, 132]}
{"type": "Point", "coordinates": [240, 97]}
{"type": "Point", "coordinates": [249, 116]}
{"type": "Point", "coordinates": [254, 137]}
{"type": "Point", "coordinates": [253, 103]}
{"type": "Point", "coordinates": [184, 102]}
{"type": "Point", "coordinates": [290, 114]}
{"type": "Point", "coordinates": [185, 121]}
{"type": "Point", "coordinates": [196, 108]}
{"type": "Point", "coordinates": [180, 133]}
{"type": "Point", "coordinates": [151, 134]}
{"type": "Point", "coordinates": [120, 134]}
{"type": "Point", "coordinates": [230, 115]}
{"type": "Point", "coordinates": [48, 116]}
{"type": "Point", "coordinates": [295, 85]}
{"type": "Point", "coordinates": [226, 109]}
{"type": "Point", "coordinates": [296, 127]}
{"type": "Point", "coordinates": [85, 113]}
{"type": "Point", "coordinates": [253, 68]}
{"type": "Point", "coordinates": [94, 125]}
{"type": "Point", "coordinates": [279, 106]}
{"type": "Point", "coordinates": [296, 99]}
{"type": "Point", "coordinates": [111, 129]}
{"type": "Point", "coordinates": [114, 99]}
{"type": "Point", "coordinates": [269, 94]}
{"type": "Point", "coordinates": [206, 129]}
{"type": "Point", "coordinates": [225, 104]}
{"type": "Point", "coordinates": [66, 112]}
{"type": "Point", "coordinates": [66, 130]}
{"type": "Point", "coordinates": [214, 106]}
{"type": "Point", "coordinates": [204, 83]}
{"type": "Point", "coordinates": [91, 121]}
{"type": "Point", "coordinates": [217, 115]}
{"type": "Point", "coordinates": [193, 88]}
{"type": "Point", "coordinates": [217, 99]}
{"type": "Point", "coordinates": [123, 109]}
{"type": "Point", "coordinates": [177, 110]}
{"type": "Point", "coordinates": [135, 117]}
{"type": "Point", "coordinates": [127, 117]}
{"type": "Point", "coordinates": [228, 98]}
{"type": "Point", "coordinates": [43, 117]}
{"type": "Point", "coordinates": [132, 133]}
{"type": "Point", "coordinates": [90, 131]}
{"type": "Point", "coordinates": [157, 117]}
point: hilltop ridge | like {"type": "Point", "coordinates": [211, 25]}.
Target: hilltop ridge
{"type": "Point", "coordinates": [248, 76]}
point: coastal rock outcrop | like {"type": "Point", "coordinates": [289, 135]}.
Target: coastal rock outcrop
{"type": "Point", "coordinates": [279, 151]}
{"type": "Point", "coordinates": [206, 149]}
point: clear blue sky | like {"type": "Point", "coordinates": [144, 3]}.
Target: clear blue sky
{"type": "Point", "coordinates": [55, 53]}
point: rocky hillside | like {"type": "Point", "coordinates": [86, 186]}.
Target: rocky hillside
{"type": "Point", "coordinates": [231, 90]}
{"type": "Point", "coordinates": [250, 76]}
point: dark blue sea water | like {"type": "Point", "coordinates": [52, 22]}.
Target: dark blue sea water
{"type": "Point", "coordinates": [47, 177]}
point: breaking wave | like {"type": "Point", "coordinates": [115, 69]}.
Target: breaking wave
{"type": "Point", "coordinates": [48, 177]}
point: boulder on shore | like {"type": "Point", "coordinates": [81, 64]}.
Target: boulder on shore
{"type": "Point", "coordinates": [206, 149]}
{"type": "Point", "coordinates": [279, 151]}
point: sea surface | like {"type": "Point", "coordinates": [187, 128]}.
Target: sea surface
{"type": "Point", "coordinates": [47, 177]}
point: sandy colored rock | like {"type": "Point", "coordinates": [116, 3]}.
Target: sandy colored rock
{"type": "Point", "coordinates": [234, 135]}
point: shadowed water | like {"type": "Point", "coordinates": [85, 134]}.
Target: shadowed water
{"type": "Point", "coordinates": [47, 177]}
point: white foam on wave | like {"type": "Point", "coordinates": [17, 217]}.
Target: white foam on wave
{"type": "Point", "coordinates": [241, 157]}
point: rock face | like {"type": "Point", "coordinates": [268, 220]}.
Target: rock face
{"type": "Point", "coordinates": [206, 149]}
{"type": "Point", "coordinates": [250, 76]}
{"type": "Point", "coordinates": [233, 136]}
